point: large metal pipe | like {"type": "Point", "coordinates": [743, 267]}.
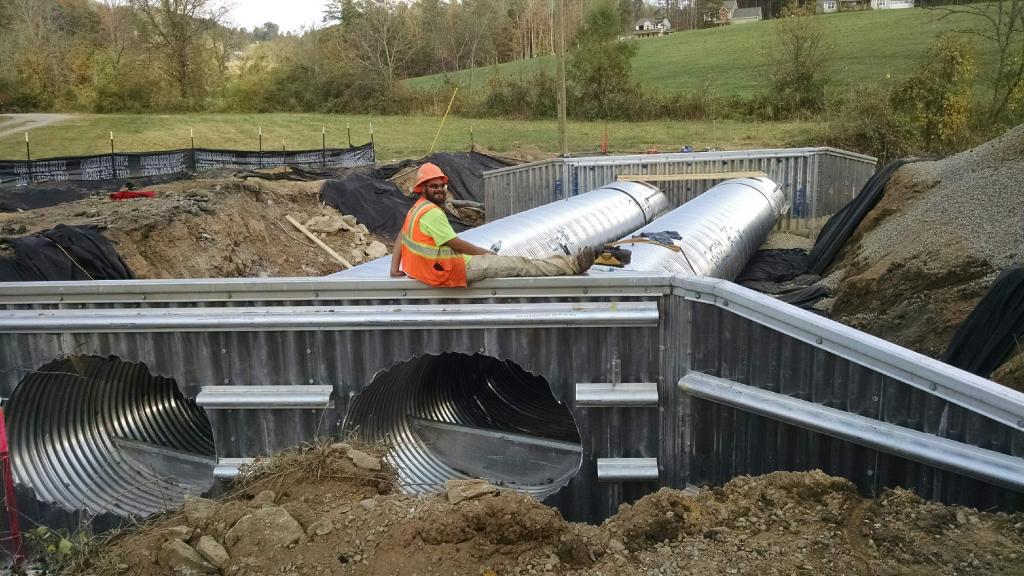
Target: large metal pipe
{"type": "Point", "coordinates": [597, 217]}
{"type": "Point", "coordinates": [720, 231]}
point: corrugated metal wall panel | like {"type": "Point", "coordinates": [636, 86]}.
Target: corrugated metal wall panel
{"type": "Point", "coordinates": [695, 441]}
{"type": "Point", "coordinates": [817, 182]}
{"type": "Point", "coordinates": [728, 442]}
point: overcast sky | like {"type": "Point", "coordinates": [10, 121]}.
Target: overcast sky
{"type": "Point", "coordinates": [290, 15]}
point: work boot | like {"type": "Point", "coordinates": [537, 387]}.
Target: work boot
{"type": "Point", "coordinates": [585, 259]}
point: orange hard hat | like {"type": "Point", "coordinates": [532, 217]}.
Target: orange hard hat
{"type": "Point", "coordinates": [425, 173]}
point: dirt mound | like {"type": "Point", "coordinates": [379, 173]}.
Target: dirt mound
{"type": "Point", "coordinates": [328, 510]}
{"type": "Point", "coordinates": [927, 253]}
{"type": "Point", "coordinates": [218, 228]}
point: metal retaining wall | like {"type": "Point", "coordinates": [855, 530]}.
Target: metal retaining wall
{"type": "Point", "coordinates": [595, 340]}
{"type": "Point", "coordinates": [817, 182]}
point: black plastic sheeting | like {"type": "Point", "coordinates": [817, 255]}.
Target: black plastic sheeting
{"type": "Point", "coordinates": [841, 227]}
{"type": "Point", "coordinates": [44, 194]}
{"type": "Point", "coordinates": [377, 204]}
{"type": "Point", "coordinates": [994, 329]}
{"type": "Point", "coordinates": [465, 171]}
{"type": "Point", "coordinates": [63, 253]}
{"type": "Point", "coordinates": [129, 165]}
{"type": "Point", "coordinates": [790, 275]}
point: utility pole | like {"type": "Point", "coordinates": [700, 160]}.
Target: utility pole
{"type": "Point", "coordinates": [563, 141]}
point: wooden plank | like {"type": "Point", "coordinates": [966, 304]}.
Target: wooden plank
{"type": "Point", "coordinates": [682, 177]}
{"type": "Point", "coordinates": [318, 242]}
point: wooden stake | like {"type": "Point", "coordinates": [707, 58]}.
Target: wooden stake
{"type": "Point", "coordinates": [318, 241]}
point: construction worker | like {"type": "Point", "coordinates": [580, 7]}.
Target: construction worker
{"type": "Point", "coordinates": [428, 250]}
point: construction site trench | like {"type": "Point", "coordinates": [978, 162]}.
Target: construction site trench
{"type": "Point", "coordinates": [132, 443]}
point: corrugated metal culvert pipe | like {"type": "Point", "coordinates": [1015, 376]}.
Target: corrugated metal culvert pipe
{"type": "Point", "coordinates": [720, 231]}
{"type": "Point", "coordinates": [455, 415]}
{"type": "Point", "coordinates": [599, 216]}
{"type": "Point", "coordinates": [104, 435]}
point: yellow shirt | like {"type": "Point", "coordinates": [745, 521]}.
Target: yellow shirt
{"type": "Point", "coordinates": [435, 224]}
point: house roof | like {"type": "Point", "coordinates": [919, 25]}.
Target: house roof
{"type": "Point", "coordinates": [754, 12]}
{"type": "Point", "coordinates": [644, 21]}
{"type": "Point", "coordinates": [729, 5]}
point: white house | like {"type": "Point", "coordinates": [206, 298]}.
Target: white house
{"type": "Point", "coordinates": [746, 15]}
{"type": "Point", "coordinates": [828, 6]}
{"type": "Point", "coordinates": [891, 4]}
{"type": "Point", "coordinates": [664, 25]}
{"type": "Point", "coordinates": [643, 25]}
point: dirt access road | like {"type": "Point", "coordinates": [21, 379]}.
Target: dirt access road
{"type": "Point", "coordinates": [14, 123]}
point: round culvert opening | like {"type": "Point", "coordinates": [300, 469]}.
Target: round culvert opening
{"type": "Point", "coordinates": [104, 435]}
{"type": "Point", "coordinates": [454, 415]}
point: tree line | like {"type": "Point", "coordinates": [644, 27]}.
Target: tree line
{"type": "Point", "coordinates": [182, 55]}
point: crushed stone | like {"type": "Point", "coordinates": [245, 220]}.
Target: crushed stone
{"type": "Point", "coordinates": [926, 254]}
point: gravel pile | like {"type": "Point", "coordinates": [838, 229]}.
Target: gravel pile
{"type": "Point", "coordinates": [975, 209]}
{"type": "Point", "coordinates": [924, 256]}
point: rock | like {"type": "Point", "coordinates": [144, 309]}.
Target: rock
{"type": "Point", "coordinates": [231, 511]}
{"type": "Point", "coordinates": [199, 511]}
{"type": "Point", "coordinates": [213, 552]}
{"type": "Point", "coordinates": [182, 533]}
{"type": "Point", "coordinates": [264, 498]}
{"type": "Point", "coordinates": [363, 460]}
{"type": "Point", "coordinates": [265, 528]}
{"type": "Point", "coordinates": [351, 221]}
{"type": "Point", "coordinates": [320, 528]}
{"type": "Point", "coordinates": [362, 228]}
{"type": "Point", "coordinates": [616, 545]}
{"type": "Point", "coordinates": [301, 512]}
{"type": "Point", "coordinates": [369, 504]}
{"type": "Point", "coordinates": [376, 250]}
{"type": "Point", "coordinates": [358, 239]}
{"type": "Point", "coordinates": [326, 223]}
{"type": "Point", "coordinates": [340, 447]}
{"type": "Point", "coordinates": [182, 560]}
{"type": "Point", "coordinates": [459, 490]}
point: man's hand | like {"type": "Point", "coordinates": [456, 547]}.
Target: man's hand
{"type": "Point", "coordinates": [397, 274]}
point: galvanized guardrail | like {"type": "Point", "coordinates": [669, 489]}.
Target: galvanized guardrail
{"type": "Point", "coordinates": [817, 182]}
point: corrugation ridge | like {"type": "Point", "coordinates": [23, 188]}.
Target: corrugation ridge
{"type": "Point", "coordinates": [457, 389]}
{"type": "Point", "coordinates": [65, 417]}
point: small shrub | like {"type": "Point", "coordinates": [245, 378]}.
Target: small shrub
{"type": "Point", "coordinates": [867, 122]}
{"type": "Point", "coordinates": [800, 58]}
{"type": "Point", "coordinates": [937, 98]}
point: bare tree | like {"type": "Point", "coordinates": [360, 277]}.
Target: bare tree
{"type": "Point", "coordinates": [1001, 22]}
{"type": "Point", "coordinates": [382, 39]}
{"type": "Point", "coordinates": [176, 29]}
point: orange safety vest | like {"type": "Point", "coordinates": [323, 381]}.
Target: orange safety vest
{"type": "Point", "coordinates": [423, 259]}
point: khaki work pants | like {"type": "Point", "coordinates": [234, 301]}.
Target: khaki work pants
{"type": "Point", "coordinates": [492, 266]}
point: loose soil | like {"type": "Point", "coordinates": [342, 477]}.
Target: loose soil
{"type": "Point", "coordinates": [355, 521]}
{"type": "Point", "coordinates": [212, 228]}
{"type": "Point", "coordinates": [927, 253]}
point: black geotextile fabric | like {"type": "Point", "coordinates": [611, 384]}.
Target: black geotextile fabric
{"type": "Point", "coordinates": [840, 227]}
{"type": "Point", "coordinates": [44, 194]}
{"type": "Point", "coordinates": [377, 204]}
{"type": "Point", "coordinates": [465, 171]}
{"type": "Point", "coordinates": [63, 253]}
{"type": "Point", "coordinates": [776, 265]}
{"type": "Point", "coordinates": [994, 329]}
{"type": "Point", "coordinates": [773, 271]}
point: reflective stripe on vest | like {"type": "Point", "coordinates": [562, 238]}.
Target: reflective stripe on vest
{"type": "Point", "coordinates": [422, 258]}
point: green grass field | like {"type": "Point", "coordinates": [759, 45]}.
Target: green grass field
{"type": "Point", "coordinates": [871, 47]}
{"type": "Point", "coordinates": [395, 136]}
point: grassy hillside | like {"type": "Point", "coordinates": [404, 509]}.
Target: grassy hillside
{"type": "Point", "coordinates": [869, 47]}
{"type": "Point", "coordinates": [395, 136]}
